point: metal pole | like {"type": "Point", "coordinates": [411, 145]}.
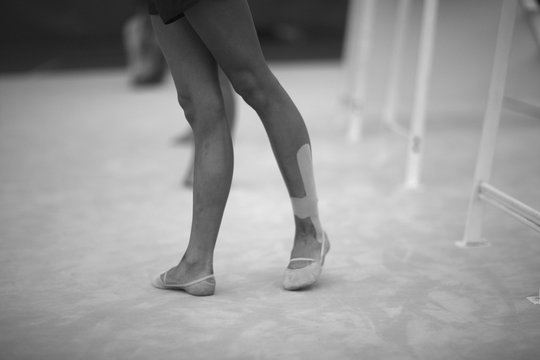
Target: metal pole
{"type": "Point", "coordinates": [510, 205]}
{"type": "Point", "coordinates": [357, 52]}
{"type": "Point", "coordinates": [423, 74]}
{"type": "Point", "coordinates": [400, 31]}
{"type": "Point", "coordinates": [473, 226]}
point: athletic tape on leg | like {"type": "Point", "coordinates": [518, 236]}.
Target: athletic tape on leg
{"type": "Point", "coordinates": [306, 207]}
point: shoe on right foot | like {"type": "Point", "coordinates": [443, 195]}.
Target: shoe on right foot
{"type": "Point", "coordinates": [204, 286]}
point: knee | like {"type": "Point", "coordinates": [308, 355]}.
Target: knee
{"type": "Point", "coordinates": [254, 87]}
{"type": "Point", "coordinates": [187, 104]}
{"type": "Point", "coordinates": [202, 112]}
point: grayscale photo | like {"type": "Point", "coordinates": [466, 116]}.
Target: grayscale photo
{"type": "Point", "coordinates": [270, 180]}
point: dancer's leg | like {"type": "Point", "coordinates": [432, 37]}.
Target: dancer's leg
{"type": "Point", "coordinates": [194, 72]}
{"type": "Point", "coordinates": [227, 29]}
{"type": "Point", "coordinates": [228, 99]}
{"type": "Point", "coordinates": [230, 111]}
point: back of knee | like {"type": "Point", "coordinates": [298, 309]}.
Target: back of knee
{"type": "Point", "coordinates": [202, 112]}
{"type": "Point", "coordinates": [253, 87]}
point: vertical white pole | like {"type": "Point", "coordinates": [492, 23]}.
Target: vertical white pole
{"type": "Point", "coordinates": [400, 31]}
{"type": "Point", "coordinates": [352, 33]}
{"type": "Point", "coordinates": [357, 53]}
{"type": "Point", "coordinates": [423, 74]}
{"type": "Point", "coordinates": [492, 115]}
{"type": "Point", "coordinates": [351, 56]}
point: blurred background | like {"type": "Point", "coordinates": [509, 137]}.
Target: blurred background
{"type": "Point", "coordinates": [67, 34]}
{"type": "Point", "coordinates": [74, 34]}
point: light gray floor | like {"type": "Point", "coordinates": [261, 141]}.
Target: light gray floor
{"type": "Point", "coordinates": [92, 208]}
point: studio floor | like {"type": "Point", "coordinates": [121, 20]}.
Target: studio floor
{"type": "Point", "coordinates": [92, 207]}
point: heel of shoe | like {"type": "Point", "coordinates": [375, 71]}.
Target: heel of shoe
{"type": "Point", "coordinates": [202, 288]}
{"type": "Point", "coordinates": [325, 249]}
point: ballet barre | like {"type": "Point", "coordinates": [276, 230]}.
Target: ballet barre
{"type": "Point", "coordinates": [483, 192]}
{"type": "Point", "coordinates": [358, 37]}
{"type": "Point", "coordinates": [510, 205]}
{"type": "Point", "coordinates": [356, 58]}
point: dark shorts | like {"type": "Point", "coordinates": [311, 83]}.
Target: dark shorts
{"type": "Point", "coordinates": [170, 10]}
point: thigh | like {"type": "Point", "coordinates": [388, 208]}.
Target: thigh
{"type": "Point", "coordinates": [192, 66]}
{"type": "Point", "coordinates": [226, 28]}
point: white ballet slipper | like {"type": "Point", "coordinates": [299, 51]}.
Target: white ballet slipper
{"type": "Point", "coordinates": [204, 286]}
{"type": "Point", "coordinates": [296, 279]}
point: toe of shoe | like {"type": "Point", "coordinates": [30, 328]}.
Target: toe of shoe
{"type": "Point", "coordinates": [296, 279]}
{"type": "Point", "coordinates": [157, 282]}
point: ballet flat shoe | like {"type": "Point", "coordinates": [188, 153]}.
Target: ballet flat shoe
{"type": "Point", "coordinates": [204, 286]}
{"type": "Point", "coordinates": [296, 279]}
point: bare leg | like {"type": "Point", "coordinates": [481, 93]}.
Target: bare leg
{"type": "Point", "coordinates": [195, 75]}
{"type": "Point", "coordinates": [230, 111]}
{"type": "Point", "coordinates": [226, 28]}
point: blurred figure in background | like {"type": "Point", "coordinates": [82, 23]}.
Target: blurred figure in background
{"type": "Point", "coordinates": [145, 61]}
{"type": "Point", "coordinates": [196, 36]}
{"type": "Point", "coordinates": [532, 10]}
{"type": "Point", "coordinates": [146, 66]}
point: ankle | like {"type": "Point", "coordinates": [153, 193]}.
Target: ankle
{"type": "Point", "coordinates": [196, 264]}
{"type": "Point", "coordinates": [306, 230]}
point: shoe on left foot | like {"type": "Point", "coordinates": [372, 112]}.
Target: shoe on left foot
{"type": "Point", "coordinates": [301, 278]}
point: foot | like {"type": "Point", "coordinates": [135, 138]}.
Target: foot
{"type": "Point", "coordinates": [305, 247]}
{"type": "Point", "coordinates": [195, 280]}
{"type": "Point", "coordinates": [188, 179]}
{"type": "Point", "coordinates": [184, 139]}
{"type": "Point", "coordinates": [307, 259]}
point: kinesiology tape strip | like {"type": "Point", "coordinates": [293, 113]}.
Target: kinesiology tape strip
{"type": "Point", "coordinates": [306, 207]}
